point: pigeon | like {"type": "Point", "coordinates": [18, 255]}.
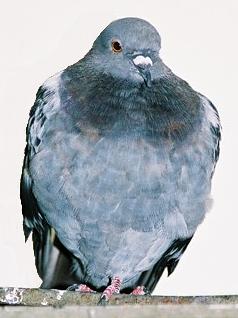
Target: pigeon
{"type": "Point", "coordinates": [119, 158]}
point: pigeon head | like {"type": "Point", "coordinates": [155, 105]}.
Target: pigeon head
{"type": "Point", "coordinates": [128, 49]}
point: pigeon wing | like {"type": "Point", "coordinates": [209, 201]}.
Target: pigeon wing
{"type": "Point", "coordinates": [53, 261]}
{"type": "Point", "coordinates": [169, 260]}
{"type": "Point", "coordinates": [33, 221]}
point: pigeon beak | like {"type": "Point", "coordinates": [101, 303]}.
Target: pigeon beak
{"type": "Point", "coordinates": [143, 64]}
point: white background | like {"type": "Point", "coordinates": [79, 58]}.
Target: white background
{"type": "Point", "coordinates": [199, 43]}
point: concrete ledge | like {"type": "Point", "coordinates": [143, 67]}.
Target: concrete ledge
{"type": "Point", "coordinates": [58, 298]}
{"type": "Point", "coordinates": [28, 303]}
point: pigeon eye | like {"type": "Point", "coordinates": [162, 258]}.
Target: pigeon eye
{"type": "Point", "coordinates": [116, 47]}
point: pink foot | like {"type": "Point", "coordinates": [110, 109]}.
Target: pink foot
{"type": "Point", "coordinates": [81, 288]}
{"type": "Point", "coordinates": [139, 290]}
{"type": "Point", "coordinates": [114, 288]}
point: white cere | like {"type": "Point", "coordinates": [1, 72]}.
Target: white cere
{"type": "Point", "coordinates": [142, 60]}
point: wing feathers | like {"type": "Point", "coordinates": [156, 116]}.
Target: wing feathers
{"type": "Point", "coordinates": [170, 259]}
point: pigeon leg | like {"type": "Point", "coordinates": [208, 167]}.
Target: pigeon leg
{"type": "Point", "coordinates": [81, 288]}
{"type": "Point", "coordinates": [140, 290]}
{"type": "Point", "coordinates": [114, 288]}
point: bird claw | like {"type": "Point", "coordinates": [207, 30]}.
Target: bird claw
{"type": "Point", "coordinates": [113, 288]}
{"type": "Point", "coordinates": [81, 288]}
{"type": "Point", "coordinates": [103, 301]}
{"type": "Point", "coordinates": [140, 291]}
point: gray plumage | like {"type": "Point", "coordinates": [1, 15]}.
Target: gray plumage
{"type": "Point", "coordinates": [118, 164]}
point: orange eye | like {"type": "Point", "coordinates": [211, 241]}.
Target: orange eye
{"type": "Point", "coordinates": [116, 47]}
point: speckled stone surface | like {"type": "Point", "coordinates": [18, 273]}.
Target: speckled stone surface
{"type": "Point", "coordinates": [24, 302]}
{"type": "Point", "coordinates": [53, 297]}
